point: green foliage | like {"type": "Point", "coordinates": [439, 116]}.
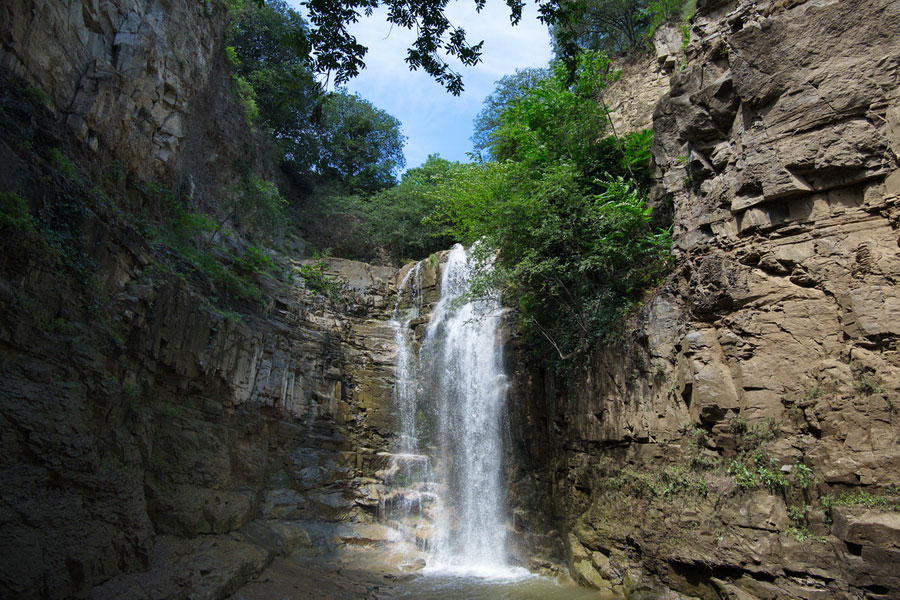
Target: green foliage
{"type": "Point", "coordinates": [558, 119]}
{"type": "Point", "coordinates": [59, 221]}
{"type": "Point", "coordinates": [702, 487]}
{"type": "Point", "coordinates": [768, 471]}
{"type": "Point", "coordinates": [114, 172]}
{"type": "Point", "coordinates": [867, 383]}
{"type": "Point", "coordinates": [802, 534]}
{"type": "Point", "coordinates": [389, 225]}
{"type": "Point", "coordinates": [247, 96]}
{"type": "Point", "coordinates": [803, 475]}
{"type": "Point", "coordinates": [231, 56]}
{"type": "Point", "coordinates": [667, 484]}
{"type": "Point", "coordinates": [63, 164]}
{"type": "Point", "coordinates": [507, 91]}
{"type": "Point", "coordinates": [861, 498]}
{"type": "Point", "coordinates": [560, 229]}
{"type": "Point", "coordinates": [360, 145]}
{"type": "Point", "coordinates": [266, 43]}
{"type": "Point", "coordinates": [743, 475]}
{"type": "Point", "coordinates": [14, 213]}
{"type": "Point", "coordinates": [812, 393]}
{"type": "Point", "coordinates": [254, 205]}
{"type": "Point", "coordinates": [223, 280]}
{"type": "Point", "coordinates": [798, 513]}
{"type": "Point", "coordinates": [253, 262]}
{"type": "Point", "coordinates": [38, 95]}
{"type": "Point", "coordinates": [189, 223]}
{"type": "Point", "coordinates": [616, 25]}
{"type": "Point", "coordinates": [316, 280]}
{"type": "Point", "coordinates": [754, 466]}
{"type": "Point", "coordinates": [336, 50]}
{"type": "Point", "coordinates": [575, 262]}
{"type": "Point", "coordinates": [737, 425]}
{"type": "Point", "coordinates": [610, 25]}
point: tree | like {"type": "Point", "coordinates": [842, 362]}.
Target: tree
{"type": "Point", "coordinates": [608, 25]}
{"type": "Point", "coordinates": [560, 222]}
{"type": "Point", "coordinates": [556, 120]}
{"type": "Point", "coordinates": [267, 43]}
{"type": "Point", "coordinates": [613, 25]}
{"type": "Point", "coordinates": [506, 91]}
{"type": "Point", "coordinates": [336, 51]}
{"type": "Point", "coordinates": [395, 216]}
{"type": "Point", "coordinates": [360, 145]}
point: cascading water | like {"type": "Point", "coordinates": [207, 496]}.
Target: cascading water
{"type": "Point", "coordinates": [457, 383]}
{"type": "Point", "coordinates": [408, 474]}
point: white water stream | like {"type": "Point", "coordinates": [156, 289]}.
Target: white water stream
{"type": "Point", "coordinates": [450, 400]}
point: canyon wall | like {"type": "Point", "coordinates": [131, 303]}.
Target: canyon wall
{"type": "Point", "coordinates": [743, 439]}
{"type": "Point", "coordinates": [150, 429]}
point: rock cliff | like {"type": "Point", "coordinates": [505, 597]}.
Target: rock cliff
{"type": "Point", "coordinates": [743, 440]}
{"type": "Point", "coordinates": [157, 441]}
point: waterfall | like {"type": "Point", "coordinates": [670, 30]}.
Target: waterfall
{"type": "Point", "coordinates": [408, 475]}
{"type": "Point", "coordinates": [457, 382]}
{"type": "Point", "coordinates": [404, 369]}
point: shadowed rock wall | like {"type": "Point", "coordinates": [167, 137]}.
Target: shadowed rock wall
{"type": "Point", "coordinates": [150, 430]}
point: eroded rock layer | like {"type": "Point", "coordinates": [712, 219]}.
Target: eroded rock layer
{"type": "Point", "coordinates": [743, 441]}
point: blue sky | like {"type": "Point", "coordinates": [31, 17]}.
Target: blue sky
{"type": "Point", "coordinates": [433, 120]}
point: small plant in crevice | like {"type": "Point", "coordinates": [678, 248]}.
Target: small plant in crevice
{"type": "Point", "coordinates": [685, 35]}
{"type": "Point", "coordinates": [737, 426]}
{"type": "Point", "coordinates": [812, 393]}
{"type": "Point", "coordinates": [803, 475]}
{"type": "Point", "coordinates": [798, 513]}
{"type": "Point", "coordinates": [802, 534]}
{"type": "Point", "coordinates": [254, 262]}
{"type": "Point", "coordinates": [860, 499]}
{"type": "Point", "coordinates": [63, 164]}
{"type": "Point", "coordinates": [867, 383]}
{"type": "Point", "coordinates": [316, 280]}
{"type": "Point", "coordinates": [744, 477]}
{"type": "Point", "coordinates": [699, 460]}
{"type": "Point", "coordinates": [14, 213]}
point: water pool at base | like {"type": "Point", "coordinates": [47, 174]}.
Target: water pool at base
{"type": "Point", "coordinates": [448, 586]}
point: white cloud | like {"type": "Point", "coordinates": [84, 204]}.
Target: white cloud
{"type": "Point", "coordinates": [433, 120]}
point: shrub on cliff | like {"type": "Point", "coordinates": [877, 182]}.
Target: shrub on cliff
{"type": "Point", "coordinates": [559, 217]}
{"type": "Point", "coordinates": [386, 227]}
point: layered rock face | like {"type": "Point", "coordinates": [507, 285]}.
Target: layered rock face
{"type": "Point", "coordinates": [173, 421]}
{"type": "Point", "coordinates": [140, 82]}
{"type": "Point", "coordinates": [774, 342]}
{"type": "Point", "coordinates": [155, 442]}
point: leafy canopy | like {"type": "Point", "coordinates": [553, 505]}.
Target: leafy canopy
{"type": "Point", "coordinates": [267, 46]}
{"type": "Point", "coordinates": [359, 145]}
{"type": "Point", "coordinates": [560, 221]}
{"type": "Point", "coordinates": [438, 41]}
{"type": "Point", "coordinates": [337, 136]}
{"type": "Point", "coordinates": [614, 25]}
{"type": "Point", "coordinates": [508, 89]}
{"type": "Point", "coordinates": [388, 226]}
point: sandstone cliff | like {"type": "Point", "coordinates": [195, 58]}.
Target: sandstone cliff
{"type": "Point", "coordinates": [744, 440]}
{"type": "Point", "coordinates": [150, 430]}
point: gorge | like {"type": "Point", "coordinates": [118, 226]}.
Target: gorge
{"type": "Point", "coordinates": [363, 429]}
